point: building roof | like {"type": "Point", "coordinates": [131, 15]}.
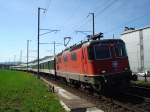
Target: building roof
{"type": "Point", "coordinates": [131, 31]}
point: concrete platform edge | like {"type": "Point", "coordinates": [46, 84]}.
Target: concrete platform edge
{"type": "Point", "coordinates": [92, 109]}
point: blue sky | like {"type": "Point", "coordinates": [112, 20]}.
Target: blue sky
{"type": "Point", "coordinates": [18, 22]}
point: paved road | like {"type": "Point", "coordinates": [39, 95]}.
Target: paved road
{"type": "Point", "coordinates": [143, 78]}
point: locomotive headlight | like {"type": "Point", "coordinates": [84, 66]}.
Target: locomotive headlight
{"type": "Point", "coordinates": [126, 68]}
{"type": "Point", "coordinates": [105, 80]}
{"type": "Point", "coordinates": [103, 71]}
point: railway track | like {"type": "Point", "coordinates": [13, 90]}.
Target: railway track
{"type": "Point", "coordinates": [140, 91]}
{"type": "Point", "coordinates": [123, 102]}
{"type": "Point", "coordinates": [134, 102]}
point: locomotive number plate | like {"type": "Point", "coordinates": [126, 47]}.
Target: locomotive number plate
{"type": "Point", "coordinates": [114, 64]}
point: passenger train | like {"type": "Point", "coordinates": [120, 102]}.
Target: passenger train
{"type": "Point", "coordinates": [95, 63]}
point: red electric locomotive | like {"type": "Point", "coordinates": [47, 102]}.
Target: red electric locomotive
{"type": "Point", "coordinates": [95, 63]}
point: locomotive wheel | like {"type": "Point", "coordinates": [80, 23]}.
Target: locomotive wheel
{"type": "Point", "coordinates": [98, 88]}
{"type": "Point", "coordinates": [74, 83]}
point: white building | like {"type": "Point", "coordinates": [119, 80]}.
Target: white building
{"type": "Point", "coordinates": [138, 48]}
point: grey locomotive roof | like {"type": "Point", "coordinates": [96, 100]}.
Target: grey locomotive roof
{"type": "Point", "coordinates": [105, 41]}
{"type": "Point", "coordinates": [90, 42]}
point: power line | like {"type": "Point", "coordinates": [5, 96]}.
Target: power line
{"type": "Point", "coordinates": [82, 21]}
{"type": "Point", "coordinates": [98, 4]}
{"type": "Point", "coordinates": [130, 21]}
{"type": "Point", "coordinates": [100, 12]}
{"type": "Point", "coordinates": [83, 32]}
{"type": "Point", "coordinates": [76, 12]}
{"type": "Point", "coordinates": [106, 7]}
{"type": "Point", "coordinates": [72, 15]}
{"type": "Point", "coordinates": [48, 4]}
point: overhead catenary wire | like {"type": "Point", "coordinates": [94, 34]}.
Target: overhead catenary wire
{"type": "Point", "coordinates": [46, 7]}
{"type": "Point", "coordinates": [129, 21]}
{"type": "Point", "coordinates": [85, 20]}
{"type": "Point", "coordinates": [69, 19]}
{"type": "Point", "coordinates": [48, 4]}
{"type": "Point", "coordinates": [106, 7]}
{"type": "Point", "coordinates": [76, 11]}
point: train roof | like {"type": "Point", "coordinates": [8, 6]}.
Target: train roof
{"type": "Point", "coordinates": [46, 59]}
{"type": "Point", "coordinates": [34, 62]}
{"type": "Point", "coordinates": [90, 42]}
{"type": "Point", "coordinates": [42, 60]}
{"type": "Point", "coordinates": [105, 41]}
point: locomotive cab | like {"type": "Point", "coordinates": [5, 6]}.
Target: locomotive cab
{"type": "Point", "coordinates": [109, 62]}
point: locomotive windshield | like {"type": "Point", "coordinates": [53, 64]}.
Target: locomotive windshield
{"type": "Point", "coordinates": [107, 51]}
{"type": "Point", "coordinates": [102, 52]}
{"type": "Point", "coordinates": [120, 50]}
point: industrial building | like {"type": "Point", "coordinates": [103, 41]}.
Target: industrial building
{"type": "Point", "coordinates": [138, 48]}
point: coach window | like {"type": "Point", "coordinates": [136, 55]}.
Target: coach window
{"type": "Point", "coordinates": [65, 58]}
{"type": "Point", "coordinates": [42, 65]}
{"type": "Point", "coordinates": [73, 56]}
{"type": "Point", "coordinates": [46, 65]}
{"type": "Point", "coordinates": [49, 64]}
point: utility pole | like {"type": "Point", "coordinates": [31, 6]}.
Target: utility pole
{"type": "Point", "coordinates": [20, 56]}
{"type": "Point", "coordinates": [9, 60]}
{"type": "Point", "coordinates": [54, 48]}
{"type": "Point", "coordinates": [93, 22]}
{"type": "Point", "coordinates": [113, 36]}
{"type": "Point", "coordinates": [14, 59]}
{"type": "Point", "coordinates": [54, 51]}
{"type": "Point", "coordinates": [27, 53]}
{"type": "Point", "coordinates": [38, 75]}
{"type": "Point", "coordinates": [55, 60]}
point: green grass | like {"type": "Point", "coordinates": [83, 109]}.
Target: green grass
{"type": "Point", "coordinates": [142, 83]}
{"type": "Point", "coordinates": [21, 92]}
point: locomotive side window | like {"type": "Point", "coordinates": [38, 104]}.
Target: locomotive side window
{"type": "Point", "coordinates": [73, 56]}
{"type": "Point", "coordinates": [90, 53]}
{"type": "Point", "coordinates": [59, 59]}
{"type": "Point", "coordinates": [102, 52]}
{"type": "Point", "coordinates": [120, 50]}
{"type": "Point", "coordinates": [65, 58]}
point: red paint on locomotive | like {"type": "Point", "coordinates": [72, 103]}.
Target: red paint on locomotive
{"type": "Point", "coordinates": [93, 59]}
